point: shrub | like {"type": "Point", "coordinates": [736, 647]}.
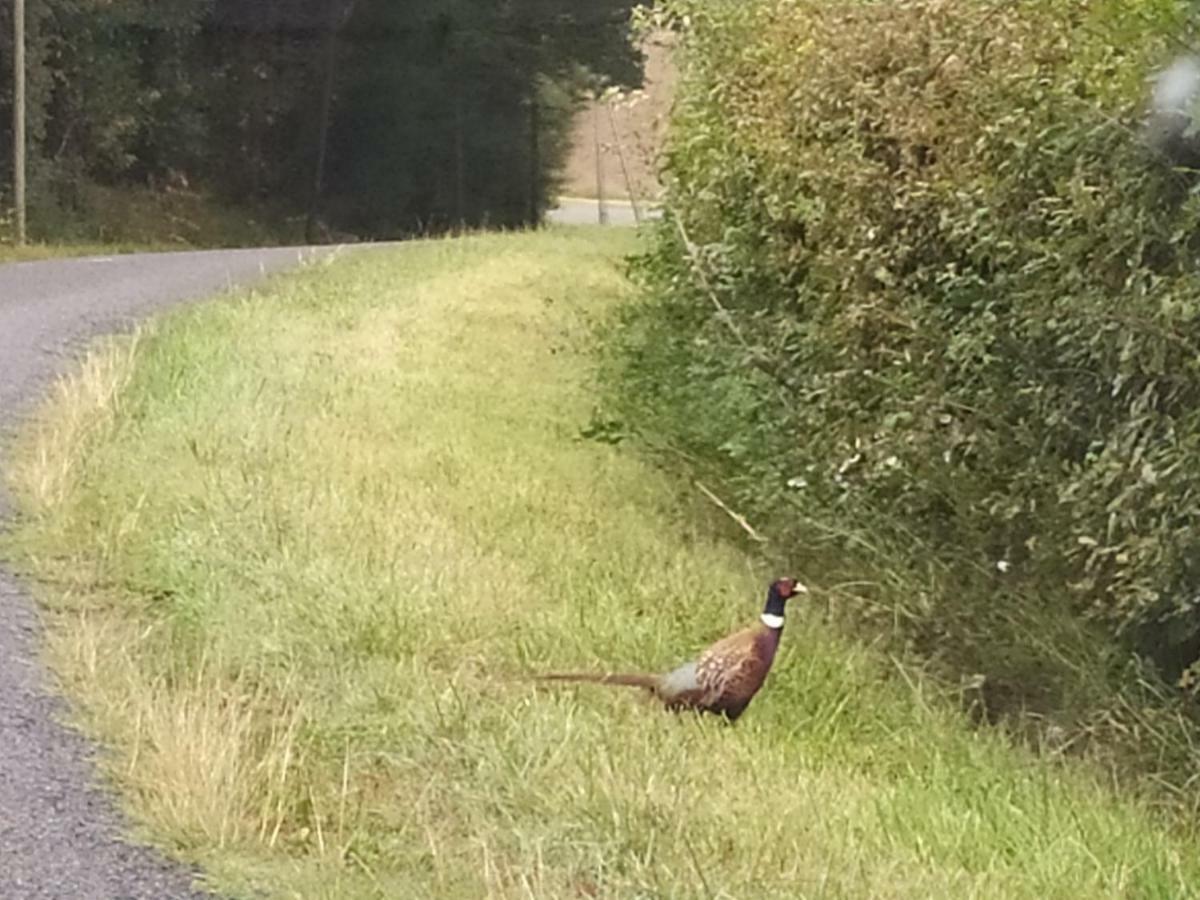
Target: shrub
{"type": "Point", "coordinates": [925, 297]}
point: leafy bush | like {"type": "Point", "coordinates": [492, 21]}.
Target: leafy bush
{"type": "Point", "coordinates": [924, 298]}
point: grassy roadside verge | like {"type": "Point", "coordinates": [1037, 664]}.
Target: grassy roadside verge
{"type": "Point", "coordinates": [296, 545]}
{"type": "Point", "coordinates": [138, 220]}
{"type": "Point", "coordinates": [40, 251]}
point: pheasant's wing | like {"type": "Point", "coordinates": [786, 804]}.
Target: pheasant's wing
{"type": "Point", "coordinates": [731, 671]}
{"type": "Point", "coordinates": [722, 679]}
{"type": "Point", "coordinates": [694, 685]}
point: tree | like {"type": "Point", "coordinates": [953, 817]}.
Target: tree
{"type": "Point", "coordinates": [383, 117]}
{"type": "Point", "coordinates": [451, 117]}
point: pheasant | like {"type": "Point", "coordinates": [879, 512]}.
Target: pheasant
{"type": "Point", "coordinates": [725, 677]}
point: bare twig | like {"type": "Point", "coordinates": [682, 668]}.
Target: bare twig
{"type": "Point", "coordinates": [698, 268]}
{"type": "Point", "coordinates": [737, 517]}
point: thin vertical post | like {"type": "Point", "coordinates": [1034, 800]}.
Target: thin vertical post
{"type": "Point", "coordinates": [601, 206]}
{"type": "Point", "coordinates": [535, 158]}
{"type": "Point", "coordinates": [19, 117]}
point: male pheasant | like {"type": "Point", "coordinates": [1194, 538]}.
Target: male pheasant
{"type": "Point", "coordinates": [725, 677]}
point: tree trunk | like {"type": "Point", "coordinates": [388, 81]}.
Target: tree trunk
{"type": "Point", "coordinates": [329, 55]}
{"type": "Point", "coordinates": [460, 156]}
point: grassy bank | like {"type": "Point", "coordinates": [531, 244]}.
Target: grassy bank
{"type": "Point", "coordinates": [128, 220]}
{"type": "Point", "coordinates": [299, 546]}
{"type": "Point", "coordinates": [51, 250]}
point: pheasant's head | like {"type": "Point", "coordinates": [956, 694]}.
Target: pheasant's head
{"type": "Point", "coordinates": [778, 594]}
{"type": "Point", "coordinates": [786, 588]}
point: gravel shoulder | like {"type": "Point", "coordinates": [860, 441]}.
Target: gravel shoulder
{"type": "Point", "coordinates": [61, 834]}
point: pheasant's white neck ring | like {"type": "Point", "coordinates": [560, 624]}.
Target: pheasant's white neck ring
{"type": "Point", "coordinates": [772, 621]}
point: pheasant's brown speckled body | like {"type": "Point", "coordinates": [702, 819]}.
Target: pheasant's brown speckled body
{"type": "Point", "coordinates": [725, 677]}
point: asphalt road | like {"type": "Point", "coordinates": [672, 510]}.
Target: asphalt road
{"type": "Point", "coordinates": [60, 831]}
{"type": "Point", "coordinates": [577, 211]}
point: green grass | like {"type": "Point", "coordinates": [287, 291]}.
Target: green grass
{"type": "Point", "coordinates": [300, 546]}
{"type": "Point", "coordinates": [131, 219]}
{"type": "Point", "coordinates": [49, 250]}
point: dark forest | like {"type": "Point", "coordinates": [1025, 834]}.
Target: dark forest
{"type": "Point", "coordinates": [368, 118]}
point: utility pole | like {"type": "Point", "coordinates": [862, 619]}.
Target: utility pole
{"type": "Point", "coordinates": [19, 117]}
{"type": "Point", "coordinates": [601, 206]}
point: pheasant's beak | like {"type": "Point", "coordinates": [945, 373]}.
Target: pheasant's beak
{"type": "Point", "coordinates": [799, 588]}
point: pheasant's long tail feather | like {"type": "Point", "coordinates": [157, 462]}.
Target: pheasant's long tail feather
{"type": "Point", "coordinates": [625, 679]}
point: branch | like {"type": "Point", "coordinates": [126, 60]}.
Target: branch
{"type": "Point", "coordinates": [740, 519]}
{"type": "Point", "coordinates": [724, 313]}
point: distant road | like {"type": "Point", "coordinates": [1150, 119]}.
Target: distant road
{"type": "Point", "coordinates": [579, 211]}
{"type": "Point", "coordinates": [61, 836]}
